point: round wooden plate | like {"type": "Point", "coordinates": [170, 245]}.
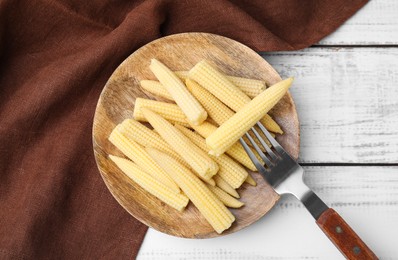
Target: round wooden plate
{"type": "Point", "coordinates": [182, 52]}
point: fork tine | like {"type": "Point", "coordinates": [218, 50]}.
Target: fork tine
{"type": "Point", "coordinates": [252, 156]}
{"type": "Point", "coordinates": [274, 143]}
{"type": "Point", "coordinates": [267, 149]}
{"type": "Point", "coordinates": [258, 149]}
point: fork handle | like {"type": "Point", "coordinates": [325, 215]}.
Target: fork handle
{"type": "Point", "coordinates": [343, 237]}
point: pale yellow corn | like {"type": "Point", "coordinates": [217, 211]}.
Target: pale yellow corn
{"type": "Point", "coordinates": [137, 154]}
{"type": "Point", "coordinates": [233, 129]}
{"type": "Point", "coordinates": [229, 170]}
{"type": "Point", "coordinates": [156, 88]}
{"type": "Point", "coordinates": [271, 124]}
{"type": "Point", "coordinates": [236, 151]}
{"type": "Point", "coordinates": [183, 75]}
{"type": "Point", "coordinates": [171, 112]}
{"type": "Point", "coordinates": [182, 161]}
{"type": "Point", "coordinates": [200, 162]}
{"type": "Point", "coordinates": [191, 107]}
{"type": "Point", "coordinates": [251, 87]}
{"type": "Point", "coordinates": [209, 181]}
{"type": "Point", "coordinates": [216, 109]}
{"type": "Point", "coordinates": [205, 129]}
{"type": "Point", "coordinates": [222, 184]}
{"type": "Point", "coordinates": [214, 211]}
{"type": "Point", "coordinates": [176, 200]}
{"type": "Point", "coordinates": [225, 198]}
{"type": "Point", "coordinates": [217, 84]}
{"type": "Point", "coordinates": [250, 180]}
{"type": "Point", "coordinates": [148, 138]}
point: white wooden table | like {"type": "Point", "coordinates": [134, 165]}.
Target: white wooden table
{"type": "Point", "coordinates": [346, 92]}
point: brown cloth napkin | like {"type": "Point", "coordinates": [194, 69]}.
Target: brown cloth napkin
{"type": "Point", "coordinates": [55, 57]}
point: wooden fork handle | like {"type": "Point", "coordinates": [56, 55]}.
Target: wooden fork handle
{"type": "Point", "coordinates": [343, 237]}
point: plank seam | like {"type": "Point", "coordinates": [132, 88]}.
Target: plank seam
{"type": "Point", "coordinates": [350, 164]}
{"type": "Point", "coordinates": [354, 46]}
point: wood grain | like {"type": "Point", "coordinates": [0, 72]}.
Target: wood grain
{"type": "Point", "coordinates": [347, 100]}
{"type": "Point", "coordinates": [375, 24]}
{"type": "Point", "coordinates": [181, 52]}
{"type": "Point", "coordinates": [343, 237]}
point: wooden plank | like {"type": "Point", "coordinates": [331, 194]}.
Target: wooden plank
{"type": "Point", "coordinates": [367, 197]}
{"type": "Point", "coordinates": [347, 100]}
{"type": "Point", "coordinates": [375, 24]}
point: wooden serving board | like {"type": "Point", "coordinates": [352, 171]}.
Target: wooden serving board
{"type": "Point", "coordinates": [182, 52]}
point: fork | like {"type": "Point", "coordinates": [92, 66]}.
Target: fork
{"type": "Point", "coordinates": [285, 175]}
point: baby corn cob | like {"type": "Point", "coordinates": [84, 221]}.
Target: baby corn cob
{"type": "Point", "coordinates": [230, 132]}
{"type": "Point", "coordinates": [225, 198]}
{"type": "Point", "coordinates": [217, 84]}
{"type": "Point", "coordinates": [191, 107]}
{"type": "Point", "coordinates": [222, 184]}
{"type": "Point", "coordinates": [193, 155]}
{"type": "Point", "coordinates": [216, 109]}
{"type": "Point", "coordinates": [250, 180]}
{"type": "Point", "coordinates": [230, 171]}
{"type": "Point", "coordinates": [146, 137]}
{"type": "Point", "coordinates": [138, 155]}
{"type": "Point", "coordinates": [251, 87]}
{"type": "Point", "coordinates": [169, 111]}
{"type": "Point", "coordinates": [151, 184]}
{"type": "Point", "coordinates": [156, 88]}
{"type": "Point", "coordinates": [236, 151]}
{"type": "Point", "coordinates": [183, 75]}
{"type": "Point", "coordinates": [209, 181]}
{"type": "Point", "coordinates": [214, 211]}
{"type": "Point", "coordinates": [270, 124]}
{"type": "Point", "coordinates": [205, 129]}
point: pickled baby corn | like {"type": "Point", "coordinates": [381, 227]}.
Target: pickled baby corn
{"type": "Point", "coordinates": [217, 84]}
{"type": "Point", "coordinates": [176, 200]}
{"type": "Point", "coordinates": [188, 104]}
{"type": "Point", "coordinates": [149, 138]}
{"type": "Point", "coordinates": [236, 151]}
{"type": "Point", "coordinates": [250, 180]}
{"type": "Point", "coordinates": [171, 112]}
{"type": "Point", "coordinates": [156, 88]}
{"type": "Point", "coordinates": [171, 157]}
{"type": "Point", "coordinates": [137, 154]}
{"type": "Point", "coordinates": [233, 129]}
{"type": "Point", "coordinates": [222, 184]}
{"type": "Point", "coordinates": [146, 137]}
{"type": "Point", "coordinates": [200, 162]}
{"type": "Point", "coordinates": [216, 109]}
{"type": "Point", "coordinates": [225, 198]}
{"type": "Point", "coordinates": [251, 87]}
{"type": "Point", "coordinates": [214, 211]}
{"type": "Point", "coordinates": [229, 170]}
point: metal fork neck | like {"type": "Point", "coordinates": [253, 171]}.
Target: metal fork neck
{"type": "Point", "coordinates": [314, 204]}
